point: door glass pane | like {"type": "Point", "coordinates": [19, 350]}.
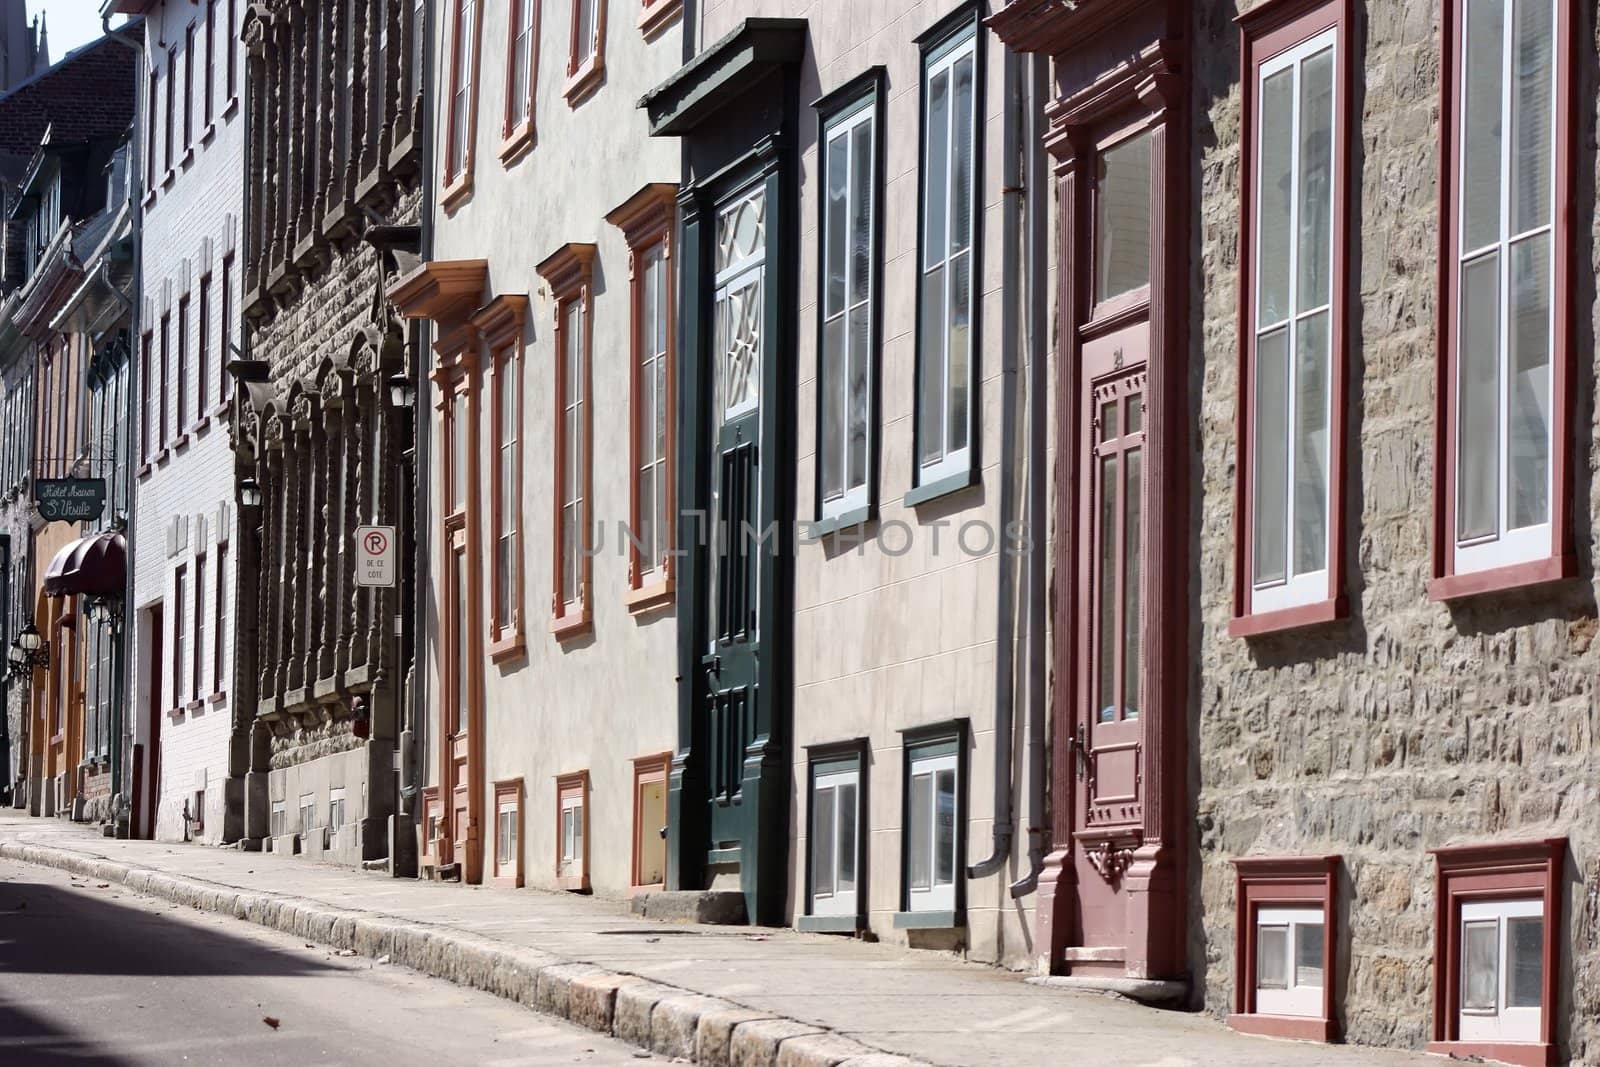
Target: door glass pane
{"type": "Point", "coordinates": [944, 841]}
{"type": "Point", "coordinates": [1132, 546]}
{"type": "Point", "coordinates": [822, 825]}
{"type": "Point", "coordinates": [1315, 252]}
{"type": "Point", "coordinates": [1269, 533]}
{"type": "Point", "coordinates": [1311, 445]}
{"type": "Point", "coordinates": [1478, 406]}
{"type": "Point", "coordinates": [847, 837]}
{"type": "Point", "coordinates": [1110, 428]}
{"type": "Point", "coordinates": [1122, 219]}
{"type": "Point", "coordinates": [919, 832]}
{"type": "Point", "coordinates": [1529, 404]}
{"type": "Point", "coordinates": [1275, 197]}
{"type": "Point", "coordinates": [1308, 954]}
{"type": "Point", "coordinates": [1524, 962]}
{"type": "Point", "coordinates": [1480, 965]}
{"type": "Point", "coordinates": [1481, 82]}
{"type": "Point", "coordinates": [1272, 957]}
{"type": "Point", "coordinates": [1532, 131]}
{"type": "Point", "coordinates": [458, 465]}
{"type": "Point", "coordinates": [739, 310]}
{"type": "Point", "coordinates": [1106, 699]}
{"type": "Point", "coordinates": [460, 622]}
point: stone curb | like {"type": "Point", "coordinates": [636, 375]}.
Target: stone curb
{"type": "Point", "coordinates": [664, 1019]}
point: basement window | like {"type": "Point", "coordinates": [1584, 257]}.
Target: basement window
{"type": "Point", "coordinates": [1284, 953]}
{"type": "Point", "coordinates": [278, 824]}
{"type": "Point", "coordinates": [572, 831]}
{"type": "Point", "coordinates": [836, 857]}
{"type": "Point", "coordinates": [933, 835]}
{"type": "Point", "coordinates": [335, 809]}
{"type": "Point", "coordinates": [508, 833]}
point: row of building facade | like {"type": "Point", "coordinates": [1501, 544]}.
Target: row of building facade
{"type": "Point", "coordinates": [1098, 486]}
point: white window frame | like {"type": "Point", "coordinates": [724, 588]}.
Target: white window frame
{"type": "Point", "coordinates": [943, 60]}
{"type": "Point", "coordinates": [835, 901]}
{"type": "Point", "coordinates": [651, 464]}
{"type": "Point", "coordinates": [506, 851]}
{"type": "Point", "coordinates": [571, 844]}
{"type": "Point", "coordinates": [1294, 590]}
{"type": "Point", "coordinates": [935, 896]}
{"type": "Point", "coordinates": [863, 113]}
{"type": "Point", "coordinates": [278, 819]}
{"type": "Point", "coordinates": [1294, 998]}
{"type": "Point", "coordinates": [522, 65]}
{"type": "Point", "coordinates": [308, 812]}
{"type": "Point", "coordinates": [1505, 546]}
{"type": "Point", "coordinates": [1502, 1023]}
{"type": "Point", "coordinates": [573, 479]}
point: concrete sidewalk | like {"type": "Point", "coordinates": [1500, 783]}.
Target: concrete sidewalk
{"type": "Point", "coordinates": [718, 995]}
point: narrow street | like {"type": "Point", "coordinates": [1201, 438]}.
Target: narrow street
{"type": "Point", "coordinates": [92, 974]}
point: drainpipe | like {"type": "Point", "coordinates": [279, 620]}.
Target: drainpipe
{"type": "Point", "coordinates": [1005, 622]}
{"type": "Point", "coordinates": [1038, 237]}
{"type": "Point", "coordinates": [120, 803]}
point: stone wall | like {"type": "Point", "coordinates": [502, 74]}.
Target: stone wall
{"type": "Point", "coordinates": [1411, 724]}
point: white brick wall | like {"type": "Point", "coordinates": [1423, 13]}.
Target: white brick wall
{"type": "Point", "coordinates": [191, 222]}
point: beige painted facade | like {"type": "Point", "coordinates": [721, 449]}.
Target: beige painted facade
{"type": "Point", "coordinates": [595, 701]}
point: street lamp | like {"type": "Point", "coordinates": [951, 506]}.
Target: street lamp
{"type": "Point", "coordinates": [30, 640]}
{"type": "Point", "coordinates": [402, 391]}
{"type": "Point", "coordinates": [250, 493]}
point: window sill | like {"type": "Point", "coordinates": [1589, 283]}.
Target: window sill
{"type": "Point", "coordinates": [58, 738]}
{"type": "Point", "coordinates": [568, 627]}
{"type": "Point", "coordinates": [209, 135]}
{"type": "Point", "coordinates": [369, 190]}
{"type": "Point", "coordinates": [182, 443]}
{"type": "Point", "coordinates": [455, 192]}
{"type": "Point", "coordinates": [221, 410]}
{"type": "Point", "coordinates": [511, 646]}
{"type": "Point", "coordinates": [516, 144]}
{"type": "Point", "coordinates": [340, 220]}
{"type": "Point", "coordinates": [582, 82]}
{"type": "Point", "coordinates": [175, 714]}
{"type": "Point", "coordinates": [940, 487]}
{"type": "Point", "coordinates": [658, 594]}
{"type": "Point", "coordinates": [506, 881]}
{"type": "Point", "coordinates": [172, 176]}
{"type": "Point", "coordinates": [1500, 579]}
{"type": "Point", "coordinates": [845, 520]}
{"type": "Point", "coordinates": [232, 108]}
{"type": "Point", "coordinates": [218, 697]}
{"type": "Point", "coordinates": [656, 15]}
{"type": "Point", "coordinates": [1520, 1054]}
{"type": "Point", "coordinates": [1291, 1027]}
{"type": "Point", "coordinates": [163, 457]}
{"type": "Point", "coordinates": [928, 920]}
{"type": "Point", "coordinates": [200, 426]}
{"type": "Point", "coordinates": [149, 198]}
{"type": "Point", "coordinates": [828, 924]}
{"type": "Point", "coordinates": [145, 468]}
{"type": "Point", "coordinates": [194, 705]}
{"type": "Point", "coordinates": [403, 155]}
{"type": "Point", "coordinates": [1284, 619]}
{"type": "Point", "coordinates": [573, 883]}
{"type": "Point", "coordinates": [188, 158]}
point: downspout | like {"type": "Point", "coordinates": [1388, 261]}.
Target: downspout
{"type": "Point", "coordinates": [1005, 622]}
{"type": "Point", "coordinates": [1038, 237]}
{"type": "Point", "coordinates": [119, 802]}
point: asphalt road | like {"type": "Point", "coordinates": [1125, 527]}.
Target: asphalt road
{"type": "Point", "coordinates": [93, 974]}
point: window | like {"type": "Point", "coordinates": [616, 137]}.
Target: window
{"type": "Point", "coordinates": [1293, 365]}
{"type": "Point", "coordinates": [198, 660]}
{"type": "Point", "coordinates": [166, 377]}
{"type": "Point", "coordinates": [1495, 963]}
{"type": "Point", "coordinates": [522, 74]}
{"type": "Point", "coordinates": [178, 605]}
{"type": "Point", "coordinates": [335, 808]}
{"type": "Point", "coordinates": [463, 109]}
{"type": "Point", "coordinates": [1285, 946]}
{"type": "Point", "coordinates": [147, 400]}
{"type": "Point", "coordinates": [188, 86]}
{"type": "Point", "coordinates": [568, 273]}
{"type": "Point", "coordinates": [508, 833]}
{"type": "Point", "coordinates": [218, 641]}
{"type": "Point", "coordinates": [308, 812]}
{"type": "Point", "coordinates": [836, 855]}
{"type": "Point", "coordinates": [645, 220]}
{"type": "Point", "coordinates": [181, 385]}
{"type": "Point", "coordinates": [224, 350]}
{"type": "Point", "coordinates": [153, 93]}
{"type": "Point", "coordinates": [227, 37]}
{"type": "Point", "coordinates": [586, 60]}
{"type": "Point", "coordinates": [501, 327]}
{"type": "Point", "coordinates": [572, 831]}
{"type": "Point", "coordinates": [1506, 321]}
{"type": "Point", "coordinates": [172, 83]}
{"type": "Point", "coordinates": [933, 830]}
{"type": "Point", "coordinates": [1118, 542]}
{"type": "Point", "coordinates": [650, 775]}
{"type": "Point", "coordinates": [847, 279]}
{"type": "Point", "coordinates": [198, 824]}
{"type": "Point", "coordinates": [202, 367]}
{"type": "Point", "coordinates": [946, 305]}
{"type": "Point", "coordinates": [208, 90]}
{"type": "Point", "coordinates": [278, 821]}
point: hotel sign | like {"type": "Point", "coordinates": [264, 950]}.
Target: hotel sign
{"type": "Point", "coordinates": [69, 499]}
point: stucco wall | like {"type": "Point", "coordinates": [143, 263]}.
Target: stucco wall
{"type": "Point", "coordinates": [1411, 725]}
{"type": "Point", "coordinates": [598, 701]}
{"type": "Point", "coordinates": [189, 225]}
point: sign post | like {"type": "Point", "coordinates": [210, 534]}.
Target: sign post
{"type": "Point", "coordinates": [375, 557]}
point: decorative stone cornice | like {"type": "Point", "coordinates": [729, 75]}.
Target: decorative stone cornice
{"type": "Point", "coordinates": [646, 215]}
{"type": "Point", "coordinates": [500, 321]}
{"type": "Point", "coordinates": [568, 269]}
{"type": "Point", "coordinates": [443, 290]}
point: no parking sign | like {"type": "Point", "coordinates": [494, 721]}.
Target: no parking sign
{"type": "Point", "coordinates": [375, 556]}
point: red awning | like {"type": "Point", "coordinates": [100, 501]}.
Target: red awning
{"type": "Point", "coordinates": [92, 566]}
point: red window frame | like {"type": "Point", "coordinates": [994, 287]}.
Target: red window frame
{"type": "Point", "coordinates": [458, 172]}
{"type": "Point", "coordinates": [517, 136]}
{"type": "Point", "coordinates": [573, 785]}
{"type": "Point", "coordinates": [646, 221]}
{"type": "Point", "coordinates": [585, 71]}
{"type": "Point", "coordinates": [1264, 33]}
{"type": "Point", "coordinates": [510, 791]}
{"type": "Point", "coordinates": [1446, 583]}
{"type": "Point", "coordinates": [569, 273]}
{"type": "Point", "coordinates": [500, 324]}
{"type": "Point", "coordinates": [1467, 873]}
{"type": "Point", "coordinates": [1306, 881]}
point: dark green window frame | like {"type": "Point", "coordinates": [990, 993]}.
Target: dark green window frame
{"type": "Point", "coordinates": [951, 474]}
{"type": "Point", "coordinates": [934, 742]}
{"type": "Point", "coordinates": [824, 760]}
